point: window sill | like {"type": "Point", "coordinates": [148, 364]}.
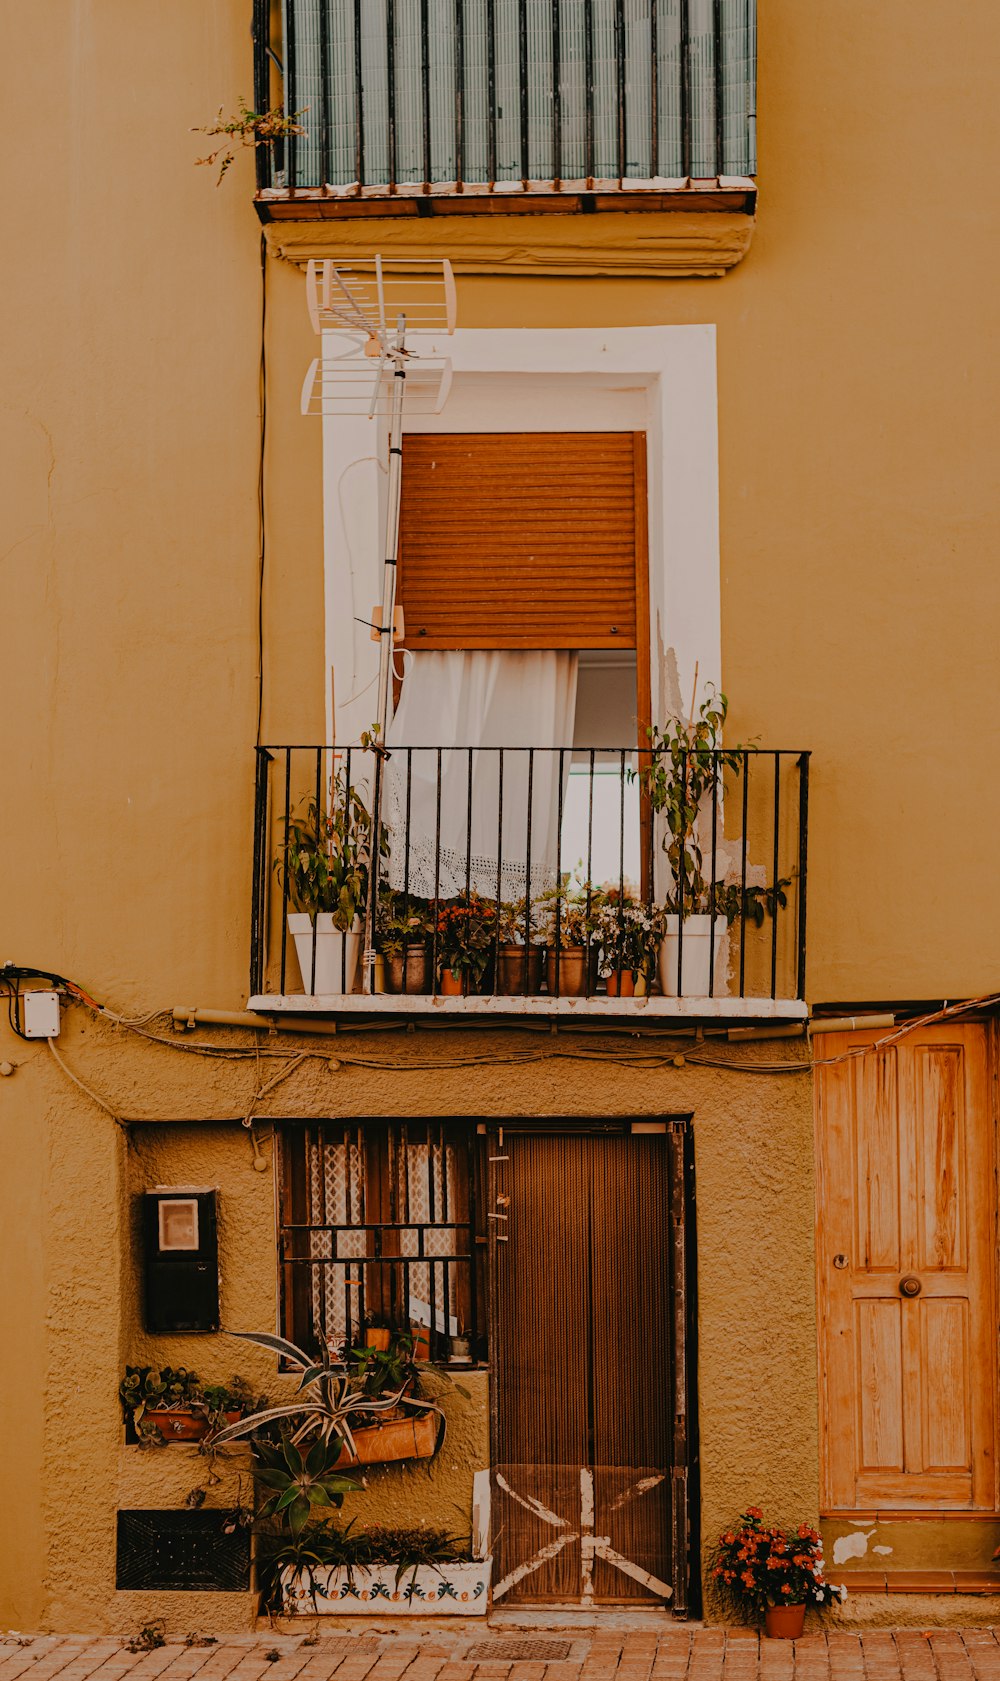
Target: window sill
{"type": "Point", "coordinates": [687, 232]}
{"type": "Point", "coordinates": [490, 1007]}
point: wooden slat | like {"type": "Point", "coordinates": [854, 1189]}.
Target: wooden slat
{"type": "Point", "coordinates": [524, 540]}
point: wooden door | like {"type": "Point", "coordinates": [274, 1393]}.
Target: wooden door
{"type": "Point", "coordinates": [906, 1201]}
{"type": "Point", "coordinates": [588, 1381]}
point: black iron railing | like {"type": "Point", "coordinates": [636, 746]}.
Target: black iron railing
{"type": "Point", "coordinates": [378, 1225]}
{"type": "Point", "coordinates": [398, 95]}
{"type": "Point", "coordinates": [532, 871]}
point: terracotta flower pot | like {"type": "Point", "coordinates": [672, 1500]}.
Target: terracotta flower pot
{"type": "Point", "coordinates": [378, 1337]}
{"type": "Point", "coordinates": [417, 977]}
{"type": "Point", "coordinates": [176, 1424]}
{"type": "Point", "coordinates": [784, 1622]}
{"type": "Point", "coordinates": [621, 983]}
{"type": "Point", "coordinates": [398, 1438]}
{"type": "Point", "coordinates": [573, 976]}
{"type": "Point", "coordinates": [510, 972]}
{"type": "Point", "coordinates": [454, 983]}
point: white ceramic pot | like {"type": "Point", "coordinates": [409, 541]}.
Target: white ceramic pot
{"type": "Point", "coordinates": [447, 1590]}
{"type": "Point", "coordinates": [695, 947]}
{"type": "Point", "coordinates": [337, 954]}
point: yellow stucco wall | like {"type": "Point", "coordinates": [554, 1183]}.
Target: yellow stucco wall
{"type": "Point", "coordinates": [857, 372]}
{"type": "Point", "coordinates": [754, 1192]}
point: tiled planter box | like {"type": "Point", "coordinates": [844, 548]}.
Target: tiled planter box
{"type": "Point", "coordinates": [451, 1590]}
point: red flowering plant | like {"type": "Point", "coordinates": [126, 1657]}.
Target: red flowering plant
{"type": "Point", "coordinates": [466, 932]}
{"type": "Point", "coordinates": [757, 1567]}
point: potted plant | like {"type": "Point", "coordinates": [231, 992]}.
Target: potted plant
{"type": "Point", "coordinates": [376, 1571]}
{"type": "Point", "coordinates": [165, 1404]}
{"type": "Point", "coordinates": [629, 935]}
{"type": "Point", "coordinates": [569, 913]}
{"type": "Point", "coordinates": [687, 761]}
{"type": "Point", "coordinates": [345, 1408]}
{"type": "Point", "coordinates": [519, 956]}
{"type": "Point", "coordinates": [461, 1349]}
{"type": "Point", "coordinates": [466, 929]}
{"type": "Point", "coordinates": [323, 865]}
{"type": "Point", "coordinates": [773, 1573]}
{"type": "Point", "coordinates": [403, 927]}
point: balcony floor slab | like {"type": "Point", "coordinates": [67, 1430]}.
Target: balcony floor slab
{"type": "Point", "coordinates": [486, 1008]}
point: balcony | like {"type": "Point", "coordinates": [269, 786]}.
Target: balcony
{"type": "Point", "coordinates": [509, 882]}
{"type": "Point", "coordinates": [418, 107]}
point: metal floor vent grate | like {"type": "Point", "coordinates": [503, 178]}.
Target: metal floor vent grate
{"type": "Point", "coordinates": [517, 1651]}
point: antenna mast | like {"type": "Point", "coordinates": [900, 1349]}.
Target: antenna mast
{"type": "Point", "coordinates": [373, 305]}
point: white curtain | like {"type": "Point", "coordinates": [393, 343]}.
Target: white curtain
{"type": "Point", "coordinates": [478, 700]}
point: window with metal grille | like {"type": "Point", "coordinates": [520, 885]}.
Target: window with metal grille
{"type": "Point", "coordinates": [379, 1222]}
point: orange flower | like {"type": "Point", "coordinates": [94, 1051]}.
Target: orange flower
{"type": "Point", "coordinates": [786, 1587]}
{"type": "Point", "coordinates": [747, 1577]}
{"type": "Point", "coordinates": [728, 1539]}
{"type": "Point", "coordinates": [754, 1512]}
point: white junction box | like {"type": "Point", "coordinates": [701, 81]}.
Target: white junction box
{"type": "Point", "coordinates": [41, 1015]}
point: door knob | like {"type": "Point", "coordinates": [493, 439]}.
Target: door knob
{"type": "Point", "coordinates": [910, 1286]}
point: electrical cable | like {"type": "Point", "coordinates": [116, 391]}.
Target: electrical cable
{"type": "Point", "coordinates": [261, 527]}
{"type": "Point", "coordinates": [635, 1059]}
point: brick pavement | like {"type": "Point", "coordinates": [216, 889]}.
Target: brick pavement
{"type": "Point", "coordinates": [436, 1653]}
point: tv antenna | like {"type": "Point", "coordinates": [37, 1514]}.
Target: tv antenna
{"type": "Point", "coordinates": [369, 309]}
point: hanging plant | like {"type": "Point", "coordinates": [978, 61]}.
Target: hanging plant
{"type": "Point", "coordinates": [248, 128]}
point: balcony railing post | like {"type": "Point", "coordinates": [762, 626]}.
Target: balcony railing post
{"type": "Point", "coordinates": [359, 100]}
{"type": "Point", "coordinates": [743, 876]}
{"type": "Point", "coordinates": [803, 838]}
{"type": "Point", "coordinates": [262, 84]}
{"type": "Point", "coordinates": [258, 889]}
{"type": "Point", "coordinates": [556, 94]}
{"type": "Point", "coordinates": [775, 867]}
{"type": "Point", "coordinates": [713, 891]}
{"type": "Point", "coordinates": [291, 96]}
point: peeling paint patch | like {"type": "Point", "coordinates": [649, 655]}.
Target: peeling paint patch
{"type": "Point", "coordinates": [881, 1549]}
{"type": "Point", "coordinates": [851, 1546]}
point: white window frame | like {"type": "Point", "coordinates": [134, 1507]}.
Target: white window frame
{"type": "Point", "coordinates": [670, 391]}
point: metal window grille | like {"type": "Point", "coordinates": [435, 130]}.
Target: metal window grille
{"type": "Point", "coordinates": [397, 92]}
{"type": "Point", "coordinates": [379, 1221]}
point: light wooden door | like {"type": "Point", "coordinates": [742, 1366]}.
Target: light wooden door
{"type": "Point", "coordinates": [906, 1203]}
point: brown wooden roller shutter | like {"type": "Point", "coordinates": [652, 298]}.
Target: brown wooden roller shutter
{"type": "Point", "coordinates": [524, 540]}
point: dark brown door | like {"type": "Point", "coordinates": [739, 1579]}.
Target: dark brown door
{"type": "Point", "coordinates": [589, 1412]}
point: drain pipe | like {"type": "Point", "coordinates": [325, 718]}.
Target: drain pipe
{"type": "Point", "coordinates": [815, 1024]}
{"type": "Point", "coordinates": [186, 1017]}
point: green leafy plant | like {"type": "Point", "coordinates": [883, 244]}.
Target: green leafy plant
{"type": "Point", "coordinates": [757, 1567]}
{"type": "Point", "coordinates": [298, 1483]}
{"type": "Point", "coordinates": [179, 1389]}
{"type": "Point", "coordinates": [247, 128]}
{"type": "Point", "coordinates": [324, 1547]}
{"type": "Point", "coordinates": [569, 911]}
{"type": "Point", "coordinates": [688, 760]}
{"type": "Point", "coordinates": [402, 921]}
{"type": "Point", "coordinates": [325, 856]}
{"type": "Point", "coordinates": [377, 1371]}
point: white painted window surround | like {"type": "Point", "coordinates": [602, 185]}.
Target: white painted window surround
{"type": "Point", "coordinates": [661, 380]}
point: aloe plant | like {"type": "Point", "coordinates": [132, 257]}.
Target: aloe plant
{"type": "Point", "coordinates": [326, 1400]}
{"type": "Point", "coordinates": [301, 1484]}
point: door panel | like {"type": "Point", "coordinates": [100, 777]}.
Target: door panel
{"type": "Point", "coordinates": [906, 1203]}
{"type": "Point", "coordinates": [585, 1376]}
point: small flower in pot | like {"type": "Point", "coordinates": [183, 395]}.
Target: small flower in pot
{"type": "Point", "coordinates": [466, 935]}
{"type": "Point", "coordinates": [629, 935]}
{"type": "Point", "coordinates": [774, 1573]}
